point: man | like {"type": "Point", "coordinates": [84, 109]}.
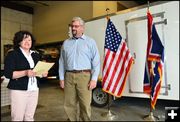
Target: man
{"type": "Point", "coordinates": [79, 67]}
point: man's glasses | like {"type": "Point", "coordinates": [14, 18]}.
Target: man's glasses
{"type": "Point", "coordinates": [75, 26]}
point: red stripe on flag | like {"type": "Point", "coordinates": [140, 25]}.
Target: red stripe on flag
{"type": "Point", "coordinates": [109, 67]}
{"type": "Point", "coordinates": [124, 81]}
{"type": "Point", "coordinates": [115, 68]}
{"type": "Point", "coordinates": [105, 61]}
{"type": "Point", "coordinates": [157, 90]}
{"type": "Point", "coordinates": [121, 71]}
{"type": "Point", "coordinates": [107, 52]}
{"type": "Point", "coordinates": [150, 19]}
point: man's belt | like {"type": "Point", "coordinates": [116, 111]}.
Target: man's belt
{"type": "Point", "coordinates": [79, 71]}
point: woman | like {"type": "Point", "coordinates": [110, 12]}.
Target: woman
{"type": "Point", "coordinates": [23, 84]}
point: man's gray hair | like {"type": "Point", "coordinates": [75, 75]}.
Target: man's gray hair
{"type": "Point", "coordinates": [78, 19]}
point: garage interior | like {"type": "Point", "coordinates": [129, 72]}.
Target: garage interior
{"type": "Point", "coordinates": [50, 107]}
{"type": "Point", "coordinates": [17, 15]}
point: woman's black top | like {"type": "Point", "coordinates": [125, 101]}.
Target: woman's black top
{"type": "Point", "coordinates": [16, 61]}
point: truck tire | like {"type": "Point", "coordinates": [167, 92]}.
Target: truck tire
{"type": "Point", "coordinates": [99, 97]}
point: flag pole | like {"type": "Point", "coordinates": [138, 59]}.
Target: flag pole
{"type": "Point", "coordinates": [108, 115]}
{"type": "Point", "coordinates": [150, 117]}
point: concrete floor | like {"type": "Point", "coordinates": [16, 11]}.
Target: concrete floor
{"type": "Point", "coordinates": [50, 107]}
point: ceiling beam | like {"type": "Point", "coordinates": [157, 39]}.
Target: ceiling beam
{"type": "Point", "coordinates": [15, 6]}
{"type": "Point", "coordinates": [128, 4]}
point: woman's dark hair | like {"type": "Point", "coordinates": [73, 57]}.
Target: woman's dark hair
{"type": "Point", "coordinates": [19, 36]}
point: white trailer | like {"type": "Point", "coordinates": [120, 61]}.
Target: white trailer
{"type": "Point", "coordinates": [132, 25]}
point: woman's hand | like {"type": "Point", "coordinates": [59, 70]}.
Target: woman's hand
{"type": "Point", "coordinates": [31, 73]}
{"type": "Point", "coordinates": [45, 74]}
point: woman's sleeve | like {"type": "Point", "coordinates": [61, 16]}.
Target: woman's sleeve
{"type": "Point", "coordinates": [9, 65]}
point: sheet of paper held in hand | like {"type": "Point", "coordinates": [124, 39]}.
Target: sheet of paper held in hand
{"type": "Point", "coordinates": [41, 67]}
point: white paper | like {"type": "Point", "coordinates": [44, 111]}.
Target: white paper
{"type": "Point", "coordinates": [42, 67]}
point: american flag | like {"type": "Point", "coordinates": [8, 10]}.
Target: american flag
{"type": "Point", "coordinates": [117, 61]}
{"type": "Point", "coordinates": [154, 62]}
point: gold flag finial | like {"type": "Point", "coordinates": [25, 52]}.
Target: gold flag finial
{"type": "Point", "coordinates": [107, 10]}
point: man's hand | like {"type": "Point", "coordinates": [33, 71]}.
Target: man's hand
{"type": "Point", "coordinates": [61, 83]}
{"type": "Point", "coordinates": [92, 84]}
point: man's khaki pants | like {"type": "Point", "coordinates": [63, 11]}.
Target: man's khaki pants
{"type": "Point", "coordinates": [76, 90]}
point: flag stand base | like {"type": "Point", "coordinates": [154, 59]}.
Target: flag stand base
{"type": "Point", "coordinates": [151, 117]}
{"type": "Point", "coordinates": [109, 115]}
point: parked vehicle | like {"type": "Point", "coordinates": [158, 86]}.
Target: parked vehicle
{"type": "Point", "coordinates": [50, 52]}
{"type": "Point", "coordinates": [132, 25]}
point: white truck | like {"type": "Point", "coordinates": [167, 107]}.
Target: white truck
{"type": "Point", "coordinates": [132, 25]}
